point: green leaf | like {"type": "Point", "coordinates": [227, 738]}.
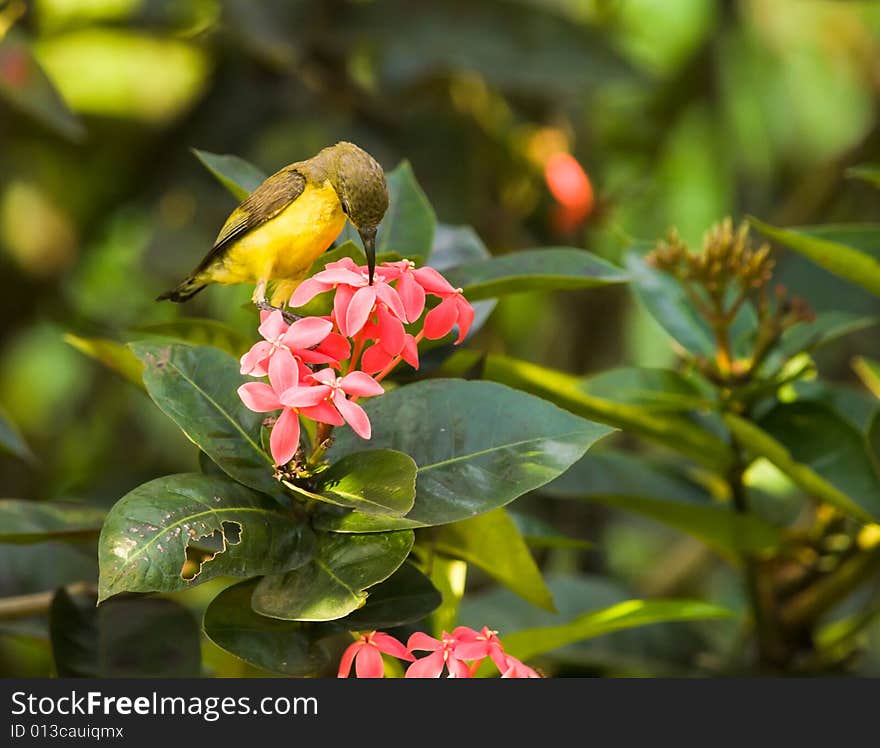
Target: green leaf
{"type": "Point", "coordinates": [478, 446]}
{"type": "Point", "coordinates": [334, 582]}
{"type": "Point", "coordinates": [280, 646]}
{"type": "Point", "coordinates": [826, 328]}
{"type": "Point", "coordinates": [869, 373]}
{"type": "Point", "coordinates": [454, 246]}
{"type": "Point", "coordinates": [200, 526]}
{"type": "Point", "coordinates": [635, 485]}
{"type": "Point", "coordinates": [785, 456]}
{"type": "Point", "coordinates": [25, 85]}
{"type": "Point", "coordinates": [133, 637]}
{"type": "Point", "coordinates": [39, 521]}
{"type": "Point", "coordinates": [405, 597]}
{"type": "Point", "coordinates": [12, 441]}
{"type": "Point", "coordinates": [541, 534]}
{"type": "Point", "coordinates": [408, 226]}
{"type": "Point", "coordinates": [375, 481]}
{"type": "Point", "coordinates": [449, 575]}
{"type": "Point", "coordinates": [654, 389]}
{"type": "Point", "coordinates": [830, 249]}
{"type": "Point", "coordinates": [532, 270]}
{"type": "Point", "coordinates": [668, 304]}
{"type": "Point", "coordinates": [675, 432]}
{"type": "Point", "coordinates": [195, 331]}
{"type": "Point", "coordinates": [869, 173]}
{"type": "Point", "coordinates": [530, 643]}
{"type": "Point", "coordinates": [234, 173]}
{"type": "Point", "coordinates": [116, 356]}
{"type": "Point", "coordinates": [493, 542]}
{"type": "Point", "coordinates": [196, 387]}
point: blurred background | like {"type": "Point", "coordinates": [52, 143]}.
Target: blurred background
{"type": "Point", "coordinates": [679, 112]}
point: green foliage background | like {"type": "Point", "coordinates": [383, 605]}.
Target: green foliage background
{"type": "Point", "coordinates": [681, 112]}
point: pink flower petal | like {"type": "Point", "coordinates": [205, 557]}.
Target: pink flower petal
{"type": "Point", "coordinates": [410, 351]}
{"type": "Point", "coordinates": [457, 668]}
{"type": "Point", "coordinates": [375, 359]}
{"type": "Point", "coordinates": [432, 281]}
{"type": "Point", "coordinates": [255, 361]}
{"type": "Point", "coordinates": [303, 397]}
{"type": "Point", "coordinates": [323, 412]}
{"type": "Point", "coordinates": [465, 317]}
{"type": "Point", "coordinates": [283, 371]}
{"type": "Point", "coordinates": [369, 663]}
{"type": "Point", "coordinates": [335, 346]}
{"type": "Point", "coordinates": [359, 310]}
{"type": "Point", "coordinates": [348, 658]}
{"type": "Point", "coordinates": [441, 319]}
{"type": "Point", "coordinates": [427, 667]}
{"type": "Point", "coordinates": [389, 645]}
{"type": "Point", "coordinates": [284, 440]}
{"type": "Point", "coordinates": [472, 650]}
{"type": "Point", "coordinates": [259, 397]}
{"type": "Point", "coordinates": [325, 376]}
{"type": "Point", "coordinates": [421, 641]}
{"type": "Point", "coordinates": [412, 295]}
{"type": "Point", "coordinates": [359, 384]}
{"type": "Point", "coordinates": [274, 326]}
{"type": "Point", "coordinates": [340, 277]}
{"type": "Point", "coordinates": [387, 295]}
{"type": "Point", "coordinates": [341, 302]}
{"type": "Point", "coordinates": [305, 333]}
{"type": "Point", "coordinates": [354, 415]}
{"type": "Point", "coordinates": [306, 291]}
{"type": "Point", "coordinates": [391, 332]}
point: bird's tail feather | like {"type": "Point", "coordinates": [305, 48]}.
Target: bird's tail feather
{"type": "Point", "coordinates": [183, 291]}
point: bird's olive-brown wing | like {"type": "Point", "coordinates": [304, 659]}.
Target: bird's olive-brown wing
{"type": "Point", "coordinates": [264, 203]}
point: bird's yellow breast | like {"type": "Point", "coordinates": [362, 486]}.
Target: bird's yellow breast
{"type": "Point", "coordinates": [284, 247]}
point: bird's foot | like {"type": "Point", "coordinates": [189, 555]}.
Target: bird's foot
{"type": "Point", "coordinates": [265, 306]}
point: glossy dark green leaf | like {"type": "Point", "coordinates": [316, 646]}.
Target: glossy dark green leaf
{"type": "Point", "coordinates": [654, 389]}
{"type": "Point", "coordinates": [676, 432]}
{"type": "Point", "coordinates": [761, 444]}
{"type": "Point", "coordinates": [39, 521]}
{"type": "Point", "coordinates": [530, 643]}
{"type": "Point", "coordinates": [116, 356]}
{"type": "Point", "coordinates": [838, 452]}
{"type": "Point", "coordinates": [334, 583]}
{"type": "Point", "coordinates": [131, 637]}
{"type": "Point", "coordinates": [12, 441]}
{"type": "Point", "coordinates": [234, 173]}
{"type": "Point", "coordinates": [833, 248]}
{"type": "Point", "coordinates": [195, 331]}
{"type": "Point", "coordinates": [852, 404]}
{"type": "Point", "coordinates": [541, 534]}
{"type": "Point", "coordinates": [181, 530]}
{"type": "Point", "coordinates": [196, 387]}
{"type": "Point", "coordinates": [375, 481]}
{"type": "Point", "coordinates": [478, 446]}
{"type": "Point", "coordinates": [283, 647]}
{"type": "Point", "coordinates": [826, 328]}
{"type": "Point", "coordinates": [553, 268]}
{"type": "Point", "coordinates": [25, 85]}
{"type": "Point", "coordinates": [408, 226]}
{"type": "Point", "coordinates": [493, 543]}
{"type": "Point", "coordinates": [634, 485]}
{"type": "Point", "coordinates": [405, 597]}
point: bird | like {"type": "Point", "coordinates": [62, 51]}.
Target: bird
{"type": "Point", "coordinates": [285, 224]}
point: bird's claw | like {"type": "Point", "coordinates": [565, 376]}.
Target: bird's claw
{"type": "Point", "coordinates": [265, 306]}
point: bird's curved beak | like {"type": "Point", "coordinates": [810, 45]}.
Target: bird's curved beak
{"type": "Point", "coordinates": [368, 237]}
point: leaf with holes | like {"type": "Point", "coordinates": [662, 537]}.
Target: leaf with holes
{"type": "Point", "coordinates": [333, 583]}
{"type": "Point", "coordinates": [181, 530]}
{"type": "Point", "coordinates": [196, 387]}
{"type": "Point", "coordinates": [39, 521]}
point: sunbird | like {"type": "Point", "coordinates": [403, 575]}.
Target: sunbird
{"type": "Point", "coordinates": [285, 224]}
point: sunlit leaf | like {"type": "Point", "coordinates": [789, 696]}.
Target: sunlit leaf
{"type": "Point", "coordinates": [493, 542]}
{"type": "Point", "coordinates": [238, 176]}
{"type": "Point", "coordinates": [654, 389]}
{"type": "Point", "coordinates": [541, 534]}
{"type": "Point", "coordinates": [334, 583]}
{"type": "Point", "coordinates": [478, 446]}
{"type": "Point", "coordinates": [869, 173]}
{"type": "Point", "coordinates": [39, 521]}
{"type": "Point", "coordinates": [869, 373]}
{"type": "Point", "coordinates": [196, 331]}
{"type": "Point", "coordinates": [181, 530]}
{"type": "Point", "coordinates": [116, 356]}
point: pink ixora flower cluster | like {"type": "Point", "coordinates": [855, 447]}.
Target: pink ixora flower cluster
{"type": "Point", "coordinates": [318, 367]}
{"type": "Point", "coordinates": [459, 654]}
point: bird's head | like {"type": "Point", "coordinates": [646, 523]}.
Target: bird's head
{"type": "Point", "coordinates": [359, 181]}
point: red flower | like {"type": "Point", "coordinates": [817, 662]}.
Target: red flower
{"type": "Point", "coordinates": [366, 653]}
{"type": "Point", "coordinates": [443, 653]}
